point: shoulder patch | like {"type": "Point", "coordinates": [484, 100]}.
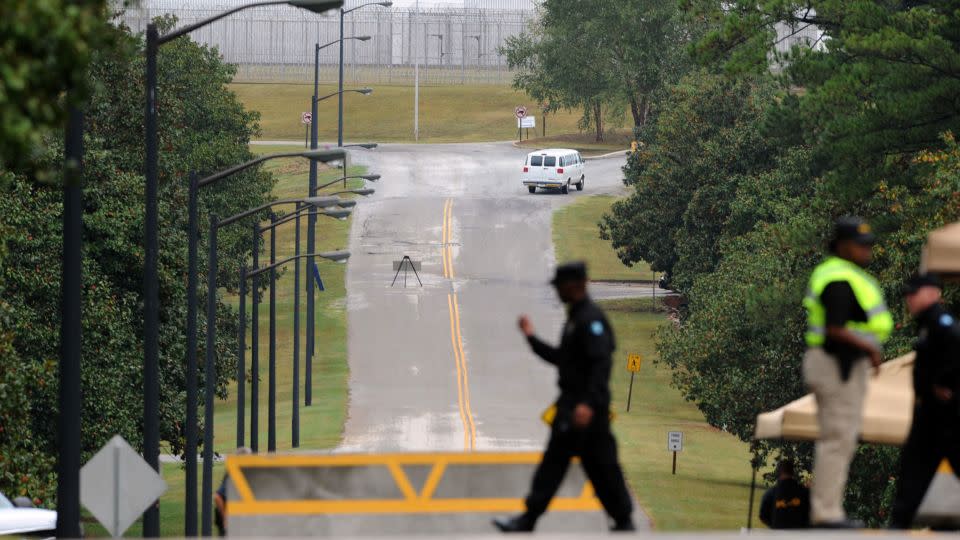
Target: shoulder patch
{"type": "Point", "coordinates": [596, 328]}
{"type": "Point", "coordinates": [946, 320]}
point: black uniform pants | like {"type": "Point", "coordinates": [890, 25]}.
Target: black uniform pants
{"type": "Point", "coordinates": [932, 439]}
{"type": "Point", "coordinates": [597, 449]}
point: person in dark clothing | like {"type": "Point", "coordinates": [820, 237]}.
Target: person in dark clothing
{"type": "Point", "coordinates": [581, 426]}
{"type": "Point", "coordinates": [935, 432]}
{"type": "Point", "coordinates": [787, 504]}
{"type": "Point", "coordinates": [220, 498]}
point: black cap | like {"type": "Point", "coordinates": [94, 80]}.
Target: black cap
{"type": "Point", "coordinates": [918, 281]}
{"type": "Point", "coordinates": [853, 228]}
{"type": "Point", "coordinates": [572, 271]}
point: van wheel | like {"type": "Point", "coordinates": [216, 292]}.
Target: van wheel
{"type": "Point", "coordinates": [566, 188]}
{"type": "Point", "coordinates": [532, 189]}
{"type": "Point", "coordinates": [580, 184]}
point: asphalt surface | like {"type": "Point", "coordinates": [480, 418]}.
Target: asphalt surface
{"type": "Point", "coordinates": [442, 366]}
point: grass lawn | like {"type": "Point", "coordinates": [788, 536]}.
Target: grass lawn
{"type": "Point", "coordinates": [712, 485]}
{"type": "Point", "coordinates": [577, 237]}
{"type": "Point", "coordinates": [321, 424]}
{"type": "Point", "coordinates": [447, 113]}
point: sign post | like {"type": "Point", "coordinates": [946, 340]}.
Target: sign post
{"type": "Point", "coordinates": [117, 486]}
{"type": "Point", "coordinates": [306, 118]}
{"type": "Point", "coordinates": [633, 366]}
{"type": "Point", "coordinates": [675, 444]}
{"type": "Point", "coordinates": [520, 112]}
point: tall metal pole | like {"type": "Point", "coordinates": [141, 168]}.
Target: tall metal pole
{"type": "Point", "coordinates": [311, 238]}
{"type": "Point", "coordinates": [241, 356]}
{"type": "Point", "coordinates": [340, 89]}
{"type": "Point", "coordinates": [151, 297]}
{"type": "Point", "coordinates": [193, 232]}
{"type": "Point", "coordinates": [416, 76]}
{"type": "Point", "coordinates": [295, 419]}
{"type": "Point", "coordinates": [68, 464]}
{"type": "Point", "coordinates": [255, 346]}
{"type": "Point", "coordinates": [272, 369]}
{"type": "Point", "coordinates": [210, 381]}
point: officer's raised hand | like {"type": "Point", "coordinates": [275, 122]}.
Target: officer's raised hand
{"type": "Point", "coordinates": [525, 325]}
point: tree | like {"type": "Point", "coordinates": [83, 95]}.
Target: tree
{"type": "Point", "coordinates": [600, 54]}
{"type": "Point", "coordinates": [202, 128]}
{"type": "Point", "coordinates": [707, 135]}
{"type": "Point", "coordinates": [46, 47]}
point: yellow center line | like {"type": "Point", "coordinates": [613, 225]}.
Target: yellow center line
{"type": "Point", "coordinates": [456, 336]}
{"type": "Point", "coordinates": [466, 381]}
{"type": "Point", "coordinates": [453, 341]}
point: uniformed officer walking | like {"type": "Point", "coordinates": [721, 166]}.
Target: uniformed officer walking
{"type": "Point", "coordinates": [581, 426]}
{"type": "Point", "coordinates": [847, 321]}
{"type": "Point", "coordinates": [935, 432]}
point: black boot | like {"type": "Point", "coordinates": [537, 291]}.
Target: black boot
{"type": "Point", "coordinates": [521, 523]}
{"type": "Point", "coordinates": [623, 526]}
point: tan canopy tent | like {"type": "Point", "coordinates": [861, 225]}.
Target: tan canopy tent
{"type": "Point", "coordinates": [942, 252]}
{"type": "Point", "coordinates": [887, 411]}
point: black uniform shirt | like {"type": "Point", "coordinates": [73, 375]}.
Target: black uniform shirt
{"type": "Point", "coordinates": [841, 306]}
{"type": "Point", "coordinates": [938, 357]}
{"type": "Point", "coordinates": [583, 359]}
{"type": "Point", "coordinates": [786, 505]}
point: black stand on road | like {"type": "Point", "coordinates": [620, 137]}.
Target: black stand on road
{"type": "Point", "coordinates": [406, 264]}
{"type": "Point", "coordinates": [630, 392]}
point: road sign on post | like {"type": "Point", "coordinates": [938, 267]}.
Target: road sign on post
{"type": "Point", "coordinates": [675, 444]}
{"type": "Point", "coordinates": [306, 118]}
{"type": "Point", "coordinates": [633, 366]}
{"type": "Point", "coordinates": [117, 485]}
{"type": "Point", "coordinates": [520, 111]}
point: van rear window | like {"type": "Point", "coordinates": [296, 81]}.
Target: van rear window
{"type": "Point", "coordinates": [550, 161]}
{"type": "Point", "coordinates": [536, 161]}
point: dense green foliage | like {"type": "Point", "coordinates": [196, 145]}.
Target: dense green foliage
{"type": "Point", "coordinates": [743, 173]}
{"type": "Point", "coordinates": [202, 128]}
{"type": "Point", "coordinates": [600, 56]}
{"type": "Point", "coordinates": [45, 49]}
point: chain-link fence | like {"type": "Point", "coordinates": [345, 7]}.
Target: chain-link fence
{"type": "Point", "coordinates": [453, 44]}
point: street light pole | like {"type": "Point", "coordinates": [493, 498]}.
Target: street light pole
{"type": "Point", "coordinates": [68, 462]}
{"type": "Point", "coordinates": [340, 78]}
{"type": "Point", "coordinates": [295, 417]}
{"type": "Point", "coordinates": [190, 428]}
{"type": "Point", "coordinates": [340, 87]}
{"type": "Point", "coordinates": [241, 354]}
{"type": "Point", "coordinates": [151, 298]}
{"type": "Point", "coordinates": [255, 347]}
{"type": "Point", "coordinates": [272, 347]}
{"type": "Point", "coordinates": [210, 380]}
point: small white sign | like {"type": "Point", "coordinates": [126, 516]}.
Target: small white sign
{"type": "Point", "coordinates": [117, 485]}
{"type": "Point", "coordinates": [675, 441]}
{"type": "Point", "coordinates": [306, 118]}
{"type": "Point", "coordinates": [527, 122]}
{"type": "Point", "coordinates": [520, 111]}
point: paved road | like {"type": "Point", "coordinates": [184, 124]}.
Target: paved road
{"type": "Point", "coordinates": [442, 367]}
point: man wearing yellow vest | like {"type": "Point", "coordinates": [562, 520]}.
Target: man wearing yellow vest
{"type": "Point", "coordinates": [847, 321]}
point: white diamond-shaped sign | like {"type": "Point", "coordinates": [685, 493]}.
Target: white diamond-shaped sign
{"type": "Point", "coordinates": [117, 485]}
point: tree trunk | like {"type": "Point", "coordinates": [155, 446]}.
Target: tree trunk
{"type": "Point", "coordinates": [636, 109]}
{"type": "Point", "coordinates": [598, 120]}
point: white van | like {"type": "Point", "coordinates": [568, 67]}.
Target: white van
{"type": "Point", "coordinates": [557, 168]}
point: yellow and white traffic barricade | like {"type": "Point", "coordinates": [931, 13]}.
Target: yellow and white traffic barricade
{"type": "Point", "coordinates": [367, 494]}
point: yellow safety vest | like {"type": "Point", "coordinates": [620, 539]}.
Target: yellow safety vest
{"type": "Point", "coordinates": [879, 322]}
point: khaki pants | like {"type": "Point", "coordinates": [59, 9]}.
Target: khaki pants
{"type": "Point", "coordinates": [839, 414]}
